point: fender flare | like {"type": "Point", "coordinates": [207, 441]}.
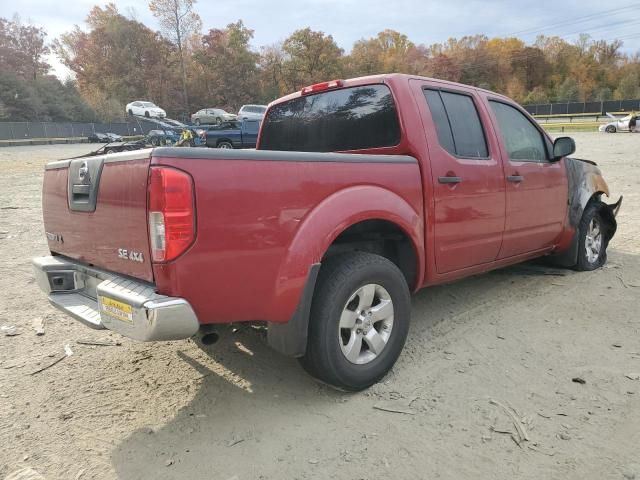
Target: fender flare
{"type": "Point", "coordinates": [296, 278]}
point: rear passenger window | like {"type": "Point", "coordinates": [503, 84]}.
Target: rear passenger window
{"type": "Point", "coordinates": [457, 124]}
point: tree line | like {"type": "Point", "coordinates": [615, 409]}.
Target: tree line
{"type": "Point", "coordinates": [117, 59]}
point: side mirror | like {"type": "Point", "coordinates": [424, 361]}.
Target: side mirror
{"type": "Point", "coordinates": [562, 147]}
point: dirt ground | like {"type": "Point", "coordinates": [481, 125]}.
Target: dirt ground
{"type": "Point", "coordinates": [238, 410]}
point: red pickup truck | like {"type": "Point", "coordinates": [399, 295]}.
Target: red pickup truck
{"type": "Point", "coordinates": [359, 193]}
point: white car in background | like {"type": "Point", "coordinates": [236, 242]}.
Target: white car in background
{"type": "Point", "coordinates": [630, 123]}
{"type": "Point", "coordinates": [145, 109]}
{"type": "Point", "coordinates": [252, 112]}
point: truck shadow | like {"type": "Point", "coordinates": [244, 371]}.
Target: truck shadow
{"type": "Point", "coordinates": [255, 410]}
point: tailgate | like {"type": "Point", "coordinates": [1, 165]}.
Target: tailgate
{"type": "Point", "coordinates": [95, 211]}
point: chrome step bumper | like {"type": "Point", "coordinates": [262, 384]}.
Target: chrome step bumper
{"type": "Point", "coordinates": [100, 299]}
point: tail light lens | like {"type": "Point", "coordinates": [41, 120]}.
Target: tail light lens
{"type": "Point", "coordinates": [172, 226]}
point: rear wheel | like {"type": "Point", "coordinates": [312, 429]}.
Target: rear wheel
{"type": "Point", "coordinates": [359, 321]}
{"type": "Point", "coordinates": [146, 114]}
{"type": "Point", "coordinates": [218, 121]}
{"type": "Point", "coordinates": [225, 145]}
{"type": "Point", "coordinates": [593, 239]}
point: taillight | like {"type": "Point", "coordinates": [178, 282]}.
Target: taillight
{"type": "Point", "coordinates": [321, 87]}
{"type": "Point", "coordinates": [172, 224]}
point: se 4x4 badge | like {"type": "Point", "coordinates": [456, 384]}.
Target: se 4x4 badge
{"type": "Point", "coordinates": [132, 255]}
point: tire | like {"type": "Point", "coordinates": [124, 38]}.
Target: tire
{"type": "Point", "coordinates": [218, 121]}
{"type": "Point", "coordinates": [146, 114]}
{"type": "Point", "coordinates": [342, 287]}
{"type": "Point", "coordinates": [224, 145]}
{"type": "Point", "coordinates": [592, 248]}
{"type": "Point", "coordinates": [197, 122]}
{"type": "Point", "coordinates": [130, 113]}
{"type": "Point", "coordinates": [610, 129]}
{"type": "Point", "coordinates": [154, 142]}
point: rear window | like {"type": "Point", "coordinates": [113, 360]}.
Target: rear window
{"type": "Point", "coordinates": [354, 118]}
{"type": "Point", "coordinates": [457, 124]}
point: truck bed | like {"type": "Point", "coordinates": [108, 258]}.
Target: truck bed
{"type": "Point", "coordinates": [255, 213]}
{"type": "Point", "coordinates": [254, 208]}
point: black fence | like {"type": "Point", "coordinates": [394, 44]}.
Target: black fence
{"type": "Point", "coordinates": [577, 108]}
{"type": "Point", "coordinates": [31, 130]}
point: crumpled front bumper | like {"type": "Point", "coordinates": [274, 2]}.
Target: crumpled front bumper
{"type": "Point", "coordinates": [101, 299]}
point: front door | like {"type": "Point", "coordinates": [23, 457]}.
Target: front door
{"type": "Point", "coordinates": [466, 170]}
{"type": "Point", "coordinates": [537, 192]}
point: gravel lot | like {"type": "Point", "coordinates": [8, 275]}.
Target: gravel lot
{"type": "Point", "coordinates": [514, 338]}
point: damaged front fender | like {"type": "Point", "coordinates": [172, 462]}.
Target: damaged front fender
{"type": "Point", "coordinates": [586, 184]}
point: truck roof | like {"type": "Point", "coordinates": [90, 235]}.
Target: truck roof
{"type": "Point", "coordinates": [388, 78]}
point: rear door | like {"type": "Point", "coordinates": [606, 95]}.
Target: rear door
{"type": "Point", "coordinates": [536, 188]}
{"type": "Point", "coordinates": [466, 170]}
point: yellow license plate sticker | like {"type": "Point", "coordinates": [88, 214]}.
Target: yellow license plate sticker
{"type": "Point", "coordinates": [116, 309]}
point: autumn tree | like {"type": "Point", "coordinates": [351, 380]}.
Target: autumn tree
{"type": "Point", "coordinates": [226, 72]}
{"type": "Point", "coordinates": [22, 49]}
{"type": "Point", "coordinates": [119, 60]}
{"type": "Point", "coordinates": [310, 57]}
{"type": "Point", "coordinates": [178, 22]}
{"type": "Point", "coordinates": [27, 92]}
{"type": "Point", "coordinates": [271, 63]}
{"type": "Point", "coordinates": [390, 51]}
{"type": "Point", "coordinates": [629, 87]}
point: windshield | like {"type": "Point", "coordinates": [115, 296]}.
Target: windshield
{"type": "Point", "coordinates": [148, 104]}
{"type": "Point", "coordinates": [354, 118]}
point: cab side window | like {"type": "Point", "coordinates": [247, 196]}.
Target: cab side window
{"type": "Point", "coordinates": [523, 140]}
{"type": "Point", "coordinates": [457, 123]}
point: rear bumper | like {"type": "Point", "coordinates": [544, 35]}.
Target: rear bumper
{"type": "Point", "coordinates": [100, 299]}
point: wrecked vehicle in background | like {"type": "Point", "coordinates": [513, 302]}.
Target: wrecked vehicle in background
{"type": "Point", "coordinates": [104, 138]}
{"type": "Point", "coordinates": [359, 193]}
{"type": "Point", "coordinates": [630, 123]}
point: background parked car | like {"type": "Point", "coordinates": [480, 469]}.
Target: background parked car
{"type": "Point", "coordinates": [147, 109]}
{"type": "Point", "coordinates": [209, 116]}
{"type": "Point", "coordinates": [252, 112]}
{"type": "Point", "coordinates": [235, 134]}
{"type": "Point", "coordinates": [630, 123]}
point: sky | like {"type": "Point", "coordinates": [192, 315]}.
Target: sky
{"type": "Point", "coordinates": [347, 21]}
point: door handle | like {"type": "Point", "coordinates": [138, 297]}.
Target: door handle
{"type": "Point", "coordinates": [449, 179]}
{"type": "Point", "coordinates": [515, 178]}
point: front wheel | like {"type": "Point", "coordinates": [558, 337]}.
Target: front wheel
{"type": "Point", "coordinates": [225, 145]}
{"type": "Point", "coordinates": [359, 321]}
{"type": "Point", "coordinates": [593, 239]}
{"type": "Point", "coordinates": [610, 129]}
{"type": "Point", "coordinates": [197, 122]}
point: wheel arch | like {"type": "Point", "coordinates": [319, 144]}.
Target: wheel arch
{"type": "Point", "coordinates": [223, 140]}
{"type": "Point", "coordinates": [341, 211]}
{"type": "Point", "coordinates": [318, 231]}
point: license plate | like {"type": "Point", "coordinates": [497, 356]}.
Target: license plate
{"type": "Point", "coordinates": [116, 309]}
